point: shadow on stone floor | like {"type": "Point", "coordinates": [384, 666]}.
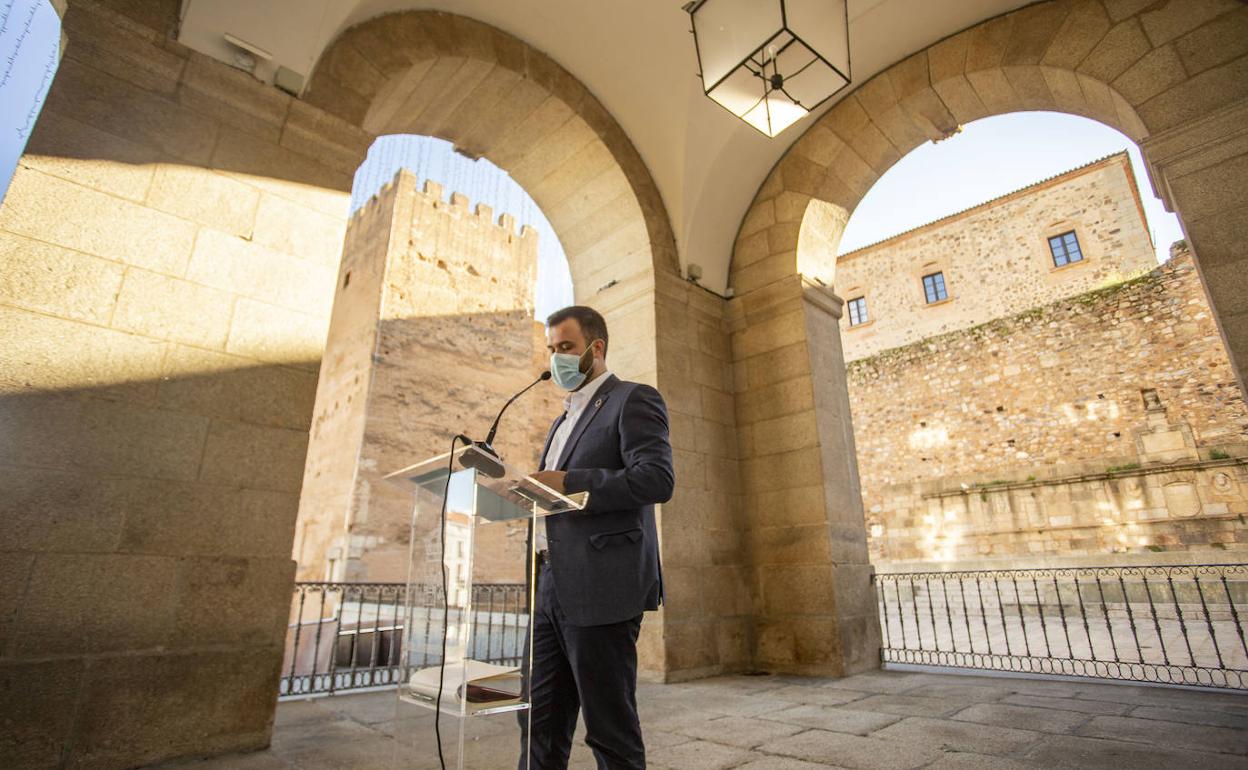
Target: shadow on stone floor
{"type": "Point", "coordinates": [886, 720]}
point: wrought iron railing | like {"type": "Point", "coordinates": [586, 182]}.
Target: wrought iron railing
{"type": "Point", "coordinates": [349, 636]}
{"type": "Point", "coordinates": [1169, 624]}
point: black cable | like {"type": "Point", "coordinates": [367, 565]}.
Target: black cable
{"type": "Point", "coordinates": [446, 599]}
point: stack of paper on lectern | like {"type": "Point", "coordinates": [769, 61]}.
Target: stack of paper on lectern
{"type": "Point", "coordinates": [477, 685]}
{"type": "Point", "coordinates": [548, 499]}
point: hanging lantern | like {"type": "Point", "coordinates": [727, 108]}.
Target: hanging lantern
{"type": "Point", "coordinates": [770, 62]}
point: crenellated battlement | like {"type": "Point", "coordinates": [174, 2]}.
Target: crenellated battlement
{"type": "Point", "coordinates": [433, 194]}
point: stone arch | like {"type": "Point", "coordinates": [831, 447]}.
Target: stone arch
{"type": "Point", "coordinates": [495, 96]}
{"type": "Point", "coordinates": [1171, 76]}
{"type": "Point", "coordinates": [1141, 69]}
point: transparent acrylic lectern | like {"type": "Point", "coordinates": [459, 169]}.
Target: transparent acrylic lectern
{"type": "Point", "coordinates": [472, 641]}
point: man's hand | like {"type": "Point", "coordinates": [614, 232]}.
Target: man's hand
{"type": "Point", "coordinates": [552, 479]}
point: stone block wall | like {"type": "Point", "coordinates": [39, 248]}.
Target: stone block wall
{"type": "Point", "coordinates": [1022, 409]}
{"type": "Point", "coordinates": [432, 332]}
{"type": "Point", "coordinates": [995, 257]}
{"type": "Point", "coordinates": [810, 581]}
{"type": "Point", "coordinates": [170, 245]}
{"type": "Point", "coordinates": [706, 624]}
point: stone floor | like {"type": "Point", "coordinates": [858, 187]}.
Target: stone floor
{"type": "Point", "coordinates": [886, 719]}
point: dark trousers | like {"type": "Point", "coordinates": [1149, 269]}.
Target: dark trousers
{"type": "Point", "coordinates": [591, 669]}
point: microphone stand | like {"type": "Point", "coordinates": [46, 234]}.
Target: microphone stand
{"type": "Point", "coordinates": [481, 454]}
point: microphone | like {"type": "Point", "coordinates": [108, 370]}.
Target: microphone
{"type": "Point", "coordinates": [482, 455]}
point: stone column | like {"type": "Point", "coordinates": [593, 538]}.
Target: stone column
{"type": "Point", "coordinates": [705, 622]}
{"type": "Point", "coordinates": [814, 603]}
{"type": "Point", "coordinates": [1199, 168]}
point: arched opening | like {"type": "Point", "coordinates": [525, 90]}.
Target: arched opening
{"type": "Point", "coordinates": [493, 96]}
{"type": "Point", "coordinates": [1054, 56]}
{"type": "Point", "coordinates": [449, 269]}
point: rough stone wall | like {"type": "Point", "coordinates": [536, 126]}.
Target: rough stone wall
{"type": "Point", "coordinates": [1083, 509]}
{"type": "Point", "coordinates": [995, 258]}
{"type": "Point", "coordinates": [1045, 397]}
{"type": "Point", "coordinates": [432, 332]}
{"type": "Point", "coordinates": [169, 246]}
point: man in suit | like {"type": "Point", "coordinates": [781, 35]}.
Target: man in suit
{"type": "Point", "coordinates": [597, 569]}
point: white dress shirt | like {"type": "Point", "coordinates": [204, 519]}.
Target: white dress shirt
{"type": "Point", "coordinates": [574, 407]}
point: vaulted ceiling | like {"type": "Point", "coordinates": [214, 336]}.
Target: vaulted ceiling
{"type": "Point", "coordinates": [637, 57]}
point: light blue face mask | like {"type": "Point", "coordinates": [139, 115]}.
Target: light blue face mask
{"type": "Point", "coordinates": [565, 368]}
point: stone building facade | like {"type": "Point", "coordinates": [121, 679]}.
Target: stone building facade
{"type": "Point", "coordinates": [1101, 423]}
{"type": "Point", "coordinates": [432, 331]}
{"type": "Point", "coordinates": [995, 259]}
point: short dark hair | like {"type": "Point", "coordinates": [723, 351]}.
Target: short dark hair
{"type": "Point", "coordinates": [592, 324]}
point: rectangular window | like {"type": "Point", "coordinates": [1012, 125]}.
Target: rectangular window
{"type": "Point", "coordinates": [934, 287]}
{"type": "Point", "coordinates": [1065, 249]}
{"type": "Point", "coordinates": [858, 311]}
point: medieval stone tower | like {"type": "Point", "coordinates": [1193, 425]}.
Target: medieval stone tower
{"type": "Point", "coordinates": [432, 330]}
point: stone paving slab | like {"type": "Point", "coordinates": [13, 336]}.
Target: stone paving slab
{"type": "Point", "coordinates": [1069, 751]}
{"type": "Point", "coordinates": [962, 691]}
{"type": "Point", "coordinates": [883, 720]}
{"type": "Point", "coordinates": [783, 763]}
{"type": "Point", "coordinates": [1140, 695]}
{"type": "Point", "coordinates": [661, 739]}
{"type": "Point", "coordinates": [1045, 720]}
{"type": "Point", "coordinates": [699, 755]}
{"type": "Point", "coordinates": [1168, 734]}
{"type": "Point", "coordinates": [1067, 704]}
{"type": "Point", "coordinates": [1046, 687]}
{"type": "Point", "coordinates": [826, 696]}
{"type": "Point", "coordinates": [1192, 717]}
{"type": "Point", "coordinates": [968, 737]}
{"type": "Point", "coordinates": [879, 682]}
{"type": "Point", "coordinates": [834, 718]}
{"type": "Point", "coordinates": [912, 705]}
{"type": "Point", "coordinates": [980, 762]}
{"type": "Point", "coordinates": [737, 731]}
{"type": "Point", "coordinates": [852, 751]}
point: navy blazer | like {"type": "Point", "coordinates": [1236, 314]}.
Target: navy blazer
{"type": "Point", "coordinates": [605, 559]}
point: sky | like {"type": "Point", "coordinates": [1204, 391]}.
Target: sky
{"type": "Point", "coordinates": [989, 158]}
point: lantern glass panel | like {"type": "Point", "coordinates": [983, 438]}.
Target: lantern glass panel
{"type": "Point", "coordinates": [822, 24]}
{"type": "Point", "coordinates": [808, 79]}
{"type": "Point", "coordinates": [728, 31]}
{"type": "Point", "coordinates": [781, 113]}
{"type": "Point", "coordinates": [740, 92]}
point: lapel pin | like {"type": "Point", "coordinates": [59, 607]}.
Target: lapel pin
{"type": "Point", "coordinates": [598, 403]}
